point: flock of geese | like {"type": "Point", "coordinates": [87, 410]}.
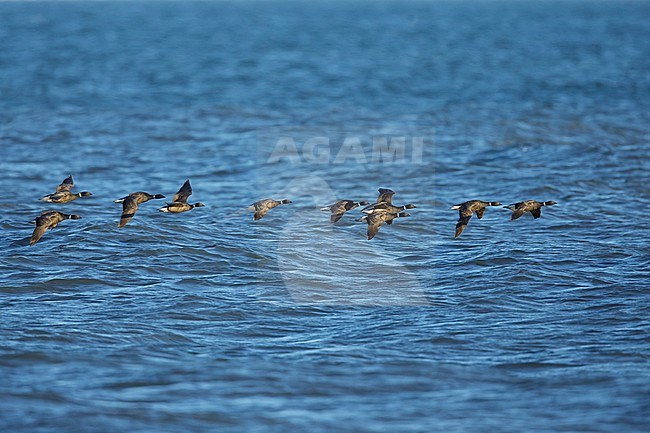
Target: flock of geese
{"type": "Point", "coordinates": [375, 214]}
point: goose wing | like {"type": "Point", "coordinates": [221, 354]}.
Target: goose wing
{"type": "Point", "coordinates": [336, 216]}
{"type": "Point", "coordinates": [183, 193]}
{"type": "Point", "coordinates": [66, 185]}
{"type": "Point", "coordinates": [47, 220]}
{"type": "Point", "coordinates": [373, 228]}
{"type": "Point", "coordinates": [464, 215]}
{"type": "Point", "coordinates": [338, 209]}
{"type": "Point", "coordinates": [37, 234]}
{"type": "Point", "coordinates": [129, 207]}
{"type": "Point", "coordinates": [517, 213]}
{"type": "Point", "coordinates": [461, 224]}
{"type": "Point", "coordinates": [374, 222]}
{"type": "Point", "coordinates": [259, 214]}
{"type": "Point", "coordinates": [385, 195]}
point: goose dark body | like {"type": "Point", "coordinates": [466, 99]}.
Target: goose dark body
{"type": "Point", "coordinates": [62, 193]}
{"type": "Point", "coordinates": [261, 207]}
{"type": "Point", "coordinates": [532, 206]}
{"type": "Point", "coordinates": [47, 221]}
{"type": "Point", "coordinates": [341, 207]}
{"type": "Point", "coordinates": [465, 211]}
{"type": "Point", "coordinates": [376, 219]}
{"type": "Point", "coordinates": [179, 201]}
{"type": "Point", "coordinates": [385, 204]}
{"type": "Point", "coordinates": [131, 202]}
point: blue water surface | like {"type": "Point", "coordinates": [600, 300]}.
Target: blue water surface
{"type": "Point", "coordinates": [210, 322]}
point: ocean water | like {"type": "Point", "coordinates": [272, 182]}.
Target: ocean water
{"type": "Point", "coordinates": [207, 321]}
